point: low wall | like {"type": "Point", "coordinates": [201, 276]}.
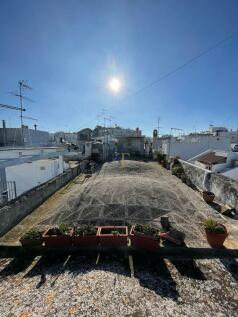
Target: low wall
{"type": "Point", "coordinates": [224, 188]}
{"type": "Point", "coordinates": [19, 208]}
{"type": "Point", "coordinates": [199, 176]}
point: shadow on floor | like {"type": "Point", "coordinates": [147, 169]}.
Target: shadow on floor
{"type": "Point", "coordinates": [18, 264]}
{"type": "Point", "coordinates": [188, 268]}
{"type": "Point", "coordinates": [156, 276]}
{"type": "Point", "coordinates": [215, 206]}
{"type": "Point", "coordinates": [231, 265]}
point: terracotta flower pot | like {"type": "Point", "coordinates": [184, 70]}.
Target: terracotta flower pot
{"type": "Point", "coordinates": [208, 196]}
{"type": "Point", "coordinates": [146, 242]}
{"type": "Point", "coordinates": [85, 241]}
{"type": "Point", "coordinates": [216, 240]}
{"type": "Point", "coordinates": [53, 240]}
{"type": "Point", "coordinates": [108, 239]}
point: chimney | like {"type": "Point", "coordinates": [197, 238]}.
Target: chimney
{"type": "Point", "coordinates": [137, 132]}
{"type": "Point", "coordinates": [35, 126]}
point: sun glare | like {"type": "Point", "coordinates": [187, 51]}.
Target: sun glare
{"type": "Point", "coordinates": [114, 85]}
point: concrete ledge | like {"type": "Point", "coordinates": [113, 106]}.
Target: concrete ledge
{"type": "Point", "coordinates": [23, 205]}
{"type": "Point", "coordinates": [164, 252]}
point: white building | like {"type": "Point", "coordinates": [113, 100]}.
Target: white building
{"type": "Point", "coordinates": [34, 173]}
{"type": "Point", "coordinates": [188, 146]}
{"type": "Point", "coordinates": [223, 162]}
{"type": "Point", "coordinates": [24, 168]}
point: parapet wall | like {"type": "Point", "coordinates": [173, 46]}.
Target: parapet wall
{"type": "Point", "coordinates": [19, 208]}
{"type": "Point", "coordinates": [224, 188]}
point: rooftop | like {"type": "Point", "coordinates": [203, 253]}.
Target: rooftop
{"type": "Point", "coordinates": [211, 158]}
{"type": "Point", "coordinates": [109, 284]}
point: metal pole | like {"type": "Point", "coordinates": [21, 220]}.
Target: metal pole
{"type": "Point", "coordinates": [21, 106]}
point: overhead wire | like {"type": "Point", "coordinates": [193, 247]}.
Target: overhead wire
{"type": "Point", "coordinates": [178, 68]}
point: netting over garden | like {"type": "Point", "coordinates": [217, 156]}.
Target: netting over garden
{"type": "Point", "coordinates": [126, 192]}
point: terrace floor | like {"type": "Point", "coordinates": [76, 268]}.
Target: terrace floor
{"type": "Point", "coordinates": [50, 286]}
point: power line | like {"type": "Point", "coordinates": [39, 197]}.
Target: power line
{"type": "Point", "coordinates": [188, 62]}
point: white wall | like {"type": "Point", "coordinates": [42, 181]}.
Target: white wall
{"type": "Point", "coordinates": [15, 153]}
{"type": "Point", "coordinates": [192, 146]}
{"type": "Point", "coordinates": [29, 175]}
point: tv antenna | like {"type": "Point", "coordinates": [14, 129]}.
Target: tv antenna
{"type": "Point", "coordinates": [22, 86]}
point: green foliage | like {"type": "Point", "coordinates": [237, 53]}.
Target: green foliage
{"type": "Point", "coordinates": [86, 230]}
{"type": "Point", "coordinates": [147, 230]}
{"type": "Point", "coordinates": [177, 170]}
{"type": "Point", "coordinates": [115, 232]}
{"type": "Point", "coordinates": [212, 225]}
{"type": "Point", "coordinates": [63, 229]}
{"type": "Point", "coordinates": [33, 234]}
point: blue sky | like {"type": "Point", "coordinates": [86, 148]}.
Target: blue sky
{"type": "Point", "coordinates": [67, 51]}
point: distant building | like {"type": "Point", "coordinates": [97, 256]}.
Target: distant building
{"type": "Point", "coordinates": [223, 162]}
{"type": "Point", "coordinates": [187, 146]}
{"type": "Point", "coordinates": [115, 132]}
{"type": "Point", "coordinates": [23, 136]}
{"type": "Point", "coordinates": [131, 144]}
{"type": "Point", "coordinates": [84, 135]}
{"type": "Point", "coordinates": [64, 137]}
{"type": "Point", "coordinates": [212, 160]}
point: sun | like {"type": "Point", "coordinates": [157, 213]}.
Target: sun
{"type": "Point", "coordinates": [114, 84]}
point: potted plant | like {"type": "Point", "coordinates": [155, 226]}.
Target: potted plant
{"type": "Point", "coordinates": [32, 238]}
{"type": "Point", "coordinates": [85, 235]}
{"type": "Point", "coordinates": [58, 236]}
{"type": "Point", "coordinates": [216, 233]}
{"type": "Point", "coordinates": [208, 196]}
{"type": "Point", "coordinates": [113, 235]}
{"type": "Point", "coordinates": [145, 237]}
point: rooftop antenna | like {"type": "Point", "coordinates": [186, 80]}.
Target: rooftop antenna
{"type": "Point", "coordinates": [158, 127]}
{"type": "Point", "coordinates": [175, 129]}
{"type": "Point", "coordinates": [22, 86]}
{"type": "Point", "coordinates": [30, 118]}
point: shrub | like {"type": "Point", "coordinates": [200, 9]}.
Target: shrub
{"type": "Point", "coordinates": [63, 229]}
{"type": "Point", "coordinates": [147, 230]}
{"type": "Point", "coordinates": [33, 234]}
{"type": "Point", "coordinates": [85, 230]}
{"type": "Point", "coordinates": [212, 225]}
{"type": "Point", "coordinates": [177, 170]}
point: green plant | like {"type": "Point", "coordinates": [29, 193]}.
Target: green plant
{"type": "Point", "coordinates": [63, 229]}
{"type": "Point", "coordinates": [177, 170]}
{"type": "Point", "coordinates": [147, 230]}
{"type": "Point", "coordinates": [85, 230]}
{"type": "Point", "coordinates": [33, 234]}
{"type": "Point", "coordinates": [115, 232]}
{"type": "Point", "coordinates": [212, 225]}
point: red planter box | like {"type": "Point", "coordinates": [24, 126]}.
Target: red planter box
{"type": "Point", "coordinates": [143, 241]}
{"type": "Point", "coordinates": [85, 241]}
{"type": "Point", "coordinates": [108, 239]}
{"type": "Point", "coordinates": [56, 240]}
